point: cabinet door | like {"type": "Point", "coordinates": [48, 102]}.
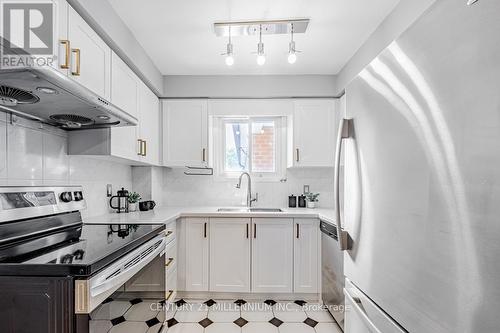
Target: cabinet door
{"type": "Point", "coordinates": [313, 133]}
{"type": "Point", "coordinates": [272, 254]}
{"type": "Point", "coordinates": [63, 47]}
{"type": "Point", "coordinates": [306, 252]}
{"type": "Point", "coordinates": [149, 109]}
{"type": "Point", "coordinates": [124, 94]}
{"type": "Point", "coordinates": [3, 146]}
{"type": "Point", "coordinates": [230, 254]}
{"type": "Point", "coordinates": [196, 254]}
{"type": "Point", "coordinates": [50, 309]}
{"type": "Point", "coordinates": [90, 56]}
{"type": "Point", "coordinates": [185, 133]}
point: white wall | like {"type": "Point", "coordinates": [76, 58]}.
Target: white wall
{"type": "Point", "coordinates": [237, 86]}
{"type": "Point", "coordinates": [103, 19]}
{"type": "Point", "coordinates": [182, 190]}
{"type": "Point", "coordinates": [402, 17]}
{"type": "Point", "coordinates": [30, 155]}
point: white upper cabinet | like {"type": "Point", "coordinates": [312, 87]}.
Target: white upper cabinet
{"type": "Point", "coordinates": [185, 133]}
{"type": "Point", "coordinates": [3, 145]}
{"type": "Point", "coordinates": [272, 255]}
{"type": "Point", "coordinates": [138, 144]}
{"type": "Point", "coordinates": [311, 140]}
{"type": "Point", "coordinates": [197, 260]}
{"type": "Point", "coordinates": [230, 254]}
{"type": "Point", "coordinates": [63, 47]}
{"type": "Point", "coordinates": [90, 56]}
{"type": "Point", "coordinates": [124, 86]}
{"type": "Point", "coordinates": [149, 125]}
{"type": "Point", "coordinates": [306, 253]}
{"type": "Point", "coordinates": [124, 94]}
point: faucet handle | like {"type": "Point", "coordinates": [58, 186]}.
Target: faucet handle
{"type": "Point", "coordinates": [256, 198]}
{"type": "Point", "coordinates": [238, 186]}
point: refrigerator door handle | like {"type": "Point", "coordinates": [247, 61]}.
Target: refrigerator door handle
{"type": "Point", "coordinates": [344, 132]}
{"type": "Point", "coordinates": [357, 306]}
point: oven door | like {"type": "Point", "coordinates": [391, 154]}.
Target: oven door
{"type": "Point", "coordinates": [140, 273]}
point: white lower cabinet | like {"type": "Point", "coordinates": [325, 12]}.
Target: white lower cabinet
{"type": "Point", "coordinates": [196, 254]}
{"type": "Point", "coordinates": [171, 285]}
{"type": "Point", "coordinates": [272, 255]}
{"type": "Point", "coordinates": [241, 255]}
{"type": "Point", "coordinates": [306, 254]}
{"type": "Point", "coordinates": [230, 254]}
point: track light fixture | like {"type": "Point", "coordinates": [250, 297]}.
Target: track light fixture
{"type": "Point", "coordinates": [269, 27]}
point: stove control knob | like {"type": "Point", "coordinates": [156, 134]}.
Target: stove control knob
{"type": "Point", "coordinates": [78, 254]}
{"type": "Point", "coordinates": [78, 195]}
{"type": "Point", "coordinates": [66, 197]}
{"type": "Point", "coordinates": [67, 259]}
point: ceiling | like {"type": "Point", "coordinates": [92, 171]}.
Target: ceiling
{"type": "Point", "coordinates": [179, 37]}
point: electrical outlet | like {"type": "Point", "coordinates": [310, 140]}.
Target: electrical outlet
{"type": "Point", "coordinates": [306, 188]}
{"type": "Point", "coordinates": [109, 190]}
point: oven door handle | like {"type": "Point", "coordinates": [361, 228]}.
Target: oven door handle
{"type": "Point", "coordinates": [102, 284]}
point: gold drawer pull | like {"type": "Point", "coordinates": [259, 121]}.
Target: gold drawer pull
{"type": "Point", "coordinates": [67, 52]}
{"type": "Point", "coordinates": [170, 293]}
{"type": "Point", "coordinates": [140, 147]}
{"type": "Point", "coordinates": [77, 53]}
{"type": "Point", "coordinates": [170, 260]}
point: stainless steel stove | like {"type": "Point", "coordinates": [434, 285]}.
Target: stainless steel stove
{"type": "Point", "coordinates": [62, 269]}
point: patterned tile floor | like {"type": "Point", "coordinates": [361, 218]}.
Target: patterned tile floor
{"type": "Point", "coordinates": [240, 316]}
{"type": "Point", "coordinates": [212, 316]}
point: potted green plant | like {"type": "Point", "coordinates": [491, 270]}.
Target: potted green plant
{"type": "Point", "coordinates": [312, 199]}
{"type": "Point", "coordinates": [133, 199]}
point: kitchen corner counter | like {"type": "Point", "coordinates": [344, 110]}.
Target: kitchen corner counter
{"type": "Point", "coordinates": [168, 214]}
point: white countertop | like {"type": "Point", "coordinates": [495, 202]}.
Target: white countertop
{"type": "Point", "coordinates": [169, 214]}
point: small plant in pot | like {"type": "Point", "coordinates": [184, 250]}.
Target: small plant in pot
{"type": "Point", "coordinates": [133, 199]}
{"type": "Point", "coordinates": [312, 199]}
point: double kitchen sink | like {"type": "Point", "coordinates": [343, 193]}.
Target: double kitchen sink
{"type": "Point", "coordinates": [250, 210]}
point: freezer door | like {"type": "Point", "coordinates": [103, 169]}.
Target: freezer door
{"type": "Point", "coordinates": [422, 173]}
{"type": "Point", "coordinates": [364, 316]}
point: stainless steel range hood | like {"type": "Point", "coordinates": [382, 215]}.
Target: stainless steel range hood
{"type": "Point", "coordinates": [44, 94]}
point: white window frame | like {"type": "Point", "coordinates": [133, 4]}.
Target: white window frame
{"type": "Point", "coordinates": [218, 145]}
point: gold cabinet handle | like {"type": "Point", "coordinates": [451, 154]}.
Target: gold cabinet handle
{"type": "Point", "coordinates": [67, 52]}
{"type": "Point", "coordinates": [170, 292]}
{"type": "Point", "coordinates": [297, 154]}
{"type": "Point", "coordinates": [203, 153]}
{"type": "Point", "coordinates": [77, 54]}
{"type": "Point", "coordinates": [144, 153]}
{"type": "Point", "coordinates": [170, 260]}
{"type": "Point", "coordinates": [140, 147]}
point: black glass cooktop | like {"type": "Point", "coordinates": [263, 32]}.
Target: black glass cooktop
{"type": "Point", "coordinates": [94, 247]}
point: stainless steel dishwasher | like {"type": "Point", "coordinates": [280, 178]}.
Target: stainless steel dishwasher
{"type": "Point", "coordinates": [332, 272]}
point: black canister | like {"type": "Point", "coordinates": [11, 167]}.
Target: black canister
{"type": "Point", "coordinates": [292, 201]}
{"type": "Point", "coordinates": [302, 201]}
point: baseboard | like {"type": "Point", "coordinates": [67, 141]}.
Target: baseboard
{"type": "Point", "coordinates": [204, 295]}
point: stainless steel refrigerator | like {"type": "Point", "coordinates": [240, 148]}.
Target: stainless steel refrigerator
{"type": "Point", "coordinates": [422, 178]}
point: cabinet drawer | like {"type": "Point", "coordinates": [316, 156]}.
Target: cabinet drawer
{"type": "Point", "coordinates": [170, 232]}
{"type": "Point", "coordinates": [171, 256]}
{"type": "Point", "coordinates": [171, 285]}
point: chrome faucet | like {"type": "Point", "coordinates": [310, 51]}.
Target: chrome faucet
{"type": "Point", "coordinates": [249, 189]}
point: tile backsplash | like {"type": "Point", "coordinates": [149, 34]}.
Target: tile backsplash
{"type": "Point", "coordinates": [32, 154]}
{"type": "Point", "coordinates": [182, 190]}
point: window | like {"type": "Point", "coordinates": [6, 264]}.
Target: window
{"type": "Point", "coordinates": [250, 145]}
